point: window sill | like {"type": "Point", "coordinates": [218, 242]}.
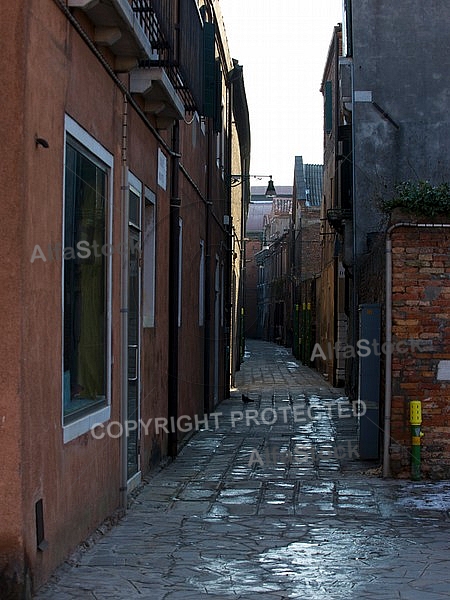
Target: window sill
{"type": "Point", "coordinates": [83, 425]}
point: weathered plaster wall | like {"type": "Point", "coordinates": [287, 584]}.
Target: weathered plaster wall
{"type": "Point", "coordinates": [399, 58]}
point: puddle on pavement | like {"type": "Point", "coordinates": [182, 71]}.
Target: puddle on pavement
{"type": "Point", "coordinates": [350, 493]}
{"type": "Point", "coordinates": [237, 500]}
{"type": "Point", "coordinates": [230, 492]}
{"type": "Point", "coordinates": [196, 494]}
{"type": "Point", "coordinates": [318, 488]}
{"type": "Point", "coordinates": [423, 496]}
{"type": "Point", "coordinates": [217, 512]}
{"type": "Point", "coordinates": [283, 484]}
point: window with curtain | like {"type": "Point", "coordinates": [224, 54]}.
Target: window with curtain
{"type": "Point", "coordinates": [84, 302]}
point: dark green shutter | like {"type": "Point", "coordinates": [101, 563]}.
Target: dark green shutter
{"type": "Point", "coordinates": [328, 106]}
{"type": "Point", "coordinates": [209, 69]}
{"type": "Point", "coordinates": [218, 98]}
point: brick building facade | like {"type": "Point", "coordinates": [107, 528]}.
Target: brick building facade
{"type": "Point", "coordinates": [421, 345]}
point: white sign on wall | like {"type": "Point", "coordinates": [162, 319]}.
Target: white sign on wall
{"type": "Point", "coordinates": [363, 96]}
{"type": "Point", "coordinates": [443, 373]}
{"type": "Point", "coordinates": [162, 169]}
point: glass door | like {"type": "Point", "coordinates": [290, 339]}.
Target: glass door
{"type": "Point", "coordinates": [134, 320]}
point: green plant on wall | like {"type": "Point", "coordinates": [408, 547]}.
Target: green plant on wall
{"type": "Point", "coordinates": [420, 198]}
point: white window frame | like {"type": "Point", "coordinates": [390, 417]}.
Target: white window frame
{"type": "Point", "coordinates": [87, 422]}
{"type": "Point", "coordinates": [135, 185]}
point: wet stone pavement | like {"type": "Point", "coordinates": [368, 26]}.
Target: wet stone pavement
{"type": "Point", "coordinates": [270, 501]}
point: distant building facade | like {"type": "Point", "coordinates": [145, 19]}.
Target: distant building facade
{"type": "Point", "coordinates": [333, 307]}
{"type": "Point", "coordinates": [289, 262]}
{"type": "Point", "coordinates": [274, 272]}
{"type": "Point", "coordinates": [257, 212]}
{"type": "Point", "coordinates": [305, 256]}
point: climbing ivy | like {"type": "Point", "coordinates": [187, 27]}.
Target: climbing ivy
{"type": "Point", "coordinates": [420, 198]}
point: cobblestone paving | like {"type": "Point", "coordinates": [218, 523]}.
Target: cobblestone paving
{"type": "Point", "coordinates": [270, 501]}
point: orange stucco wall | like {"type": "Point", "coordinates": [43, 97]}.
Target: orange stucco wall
{"type": "Point", "coordinates": [12, 30]}
{"type": "Point", "coordinates": [49, 72]}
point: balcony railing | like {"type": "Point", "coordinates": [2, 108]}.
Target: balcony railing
{"type": "Point", "coordinates": [177, 41]}
{"type": "Point", "coordinates": [336, 217]}
{"type": "Point", "coordinates": [154, 18]}
{"type": "Point", "coordinates": [282, 206]}
{"type": "Point", "coordinates": [163, 34]}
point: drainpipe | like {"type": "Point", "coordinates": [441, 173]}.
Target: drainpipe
{"type": "Point", "coordinates": [242, 279]}
{"type": "Point", "coordinates": [173, 298]}
{"type": "Point", "coordinates": [388, 365]}
{"type": "Point", "coordinates": [336, 280]}
{"type": "Point", "coordinates": [388, 335]}
{"type": "Point", "coordinates": [207, 290]}
{"type": "Point", "coordinates": [228, 300]}
{"type": "Point", "coordinates": [353, 383]}
{"type": "Point", "coordinates": [124, 259]}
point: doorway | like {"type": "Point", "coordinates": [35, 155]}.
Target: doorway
{"type": "Point", "coordinates": [134, 339]}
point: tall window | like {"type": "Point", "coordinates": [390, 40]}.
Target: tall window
{"type": "Point", "coordinates": [85, 297]}
{"type": "Point", "coordinates": [328, 106]}
{"type": "Point", "coordinates": [347, 42]}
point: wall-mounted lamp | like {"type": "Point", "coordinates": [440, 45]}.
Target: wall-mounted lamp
{"type": "Point", "coordinates": [238, 179]}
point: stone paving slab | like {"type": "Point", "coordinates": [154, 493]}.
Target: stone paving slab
{"type": "Point", "coordinates": [273, 505]}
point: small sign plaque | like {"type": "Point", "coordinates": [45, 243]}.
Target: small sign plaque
{"type": "Point", "coordinates": [162, 169]}
{"type": "Point", "coordinates": [443, 373]}
{"type": "Point", "coordinates": [363, 96]}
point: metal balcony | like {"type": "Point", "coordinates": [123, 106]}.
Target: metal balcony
{"type": "Point", "coordinates": [336, 217]}
{"type": "Point", "coordinates": [154, 36]}
{"type": "Point", "coordinates": [178, 43]}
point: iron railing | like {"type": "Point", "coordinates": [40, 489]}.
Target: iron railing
{"type": "Point", "coordinates": [336, 217]}
{"type": "Point", "coordinates": [175, 32]}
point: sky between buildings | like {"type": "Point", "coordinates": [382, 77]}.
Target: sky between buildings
{"type": "Point", "coordinates": [282, 45]}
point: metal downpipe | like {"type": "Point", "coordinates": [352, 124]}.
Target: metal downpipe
{"type": "Point", "coordinates": [173, 296]}
{"type": "Point", "coordinates": [124, 312]}
{"type": "Point", "coordinates": [388, 364]}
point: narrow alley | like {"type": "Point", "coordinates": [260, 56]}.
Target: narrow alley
{"type": "Point", "coordinates": [269, 500]}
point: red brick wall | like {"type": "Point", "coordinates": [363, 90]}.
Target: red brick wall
{"type": "Point", "coordinates": [310, 240]}
{"type": "Point", "coordinates": [421, 300]}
